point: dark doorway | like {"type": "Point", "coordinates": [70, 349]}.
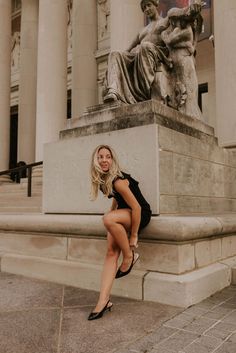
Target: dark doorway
{"type": "Point", "coordinates": [202, 89]}
{"type": "Point", "coordinates": [69, 104]}
{"type": "Point", "coordinates": [13, 137]}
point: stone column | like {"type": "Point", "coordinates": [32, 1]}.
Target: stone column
{"type": "Point", "coordinates": [5, 77]}
{"type": "Point", "coordinates": [84, 45]}
{"type": "Point", "coordinates": [126, 20]}
{"type": "Point", "coordinates": [51, 72]}
{"type": "Point", "coordinates": [225, 58]}
{"type": "Point", "coordinates": [28, 81]}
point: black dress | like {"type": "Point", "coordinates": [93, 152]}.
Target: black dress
{"type": "Point", "coordinates": [145, 207]}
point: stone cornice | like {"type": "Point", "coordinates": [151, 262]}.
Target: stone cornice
{"type": "Point", "coordinates": [161, 228]}
{"type": "Point", "coordinates": [105, 118]}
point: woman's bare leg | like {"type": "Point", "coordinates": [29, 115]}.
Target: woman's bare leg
{"type": "Point", "coordinates": [118, 222]}
{"type": "Point", "coordinates": [108, 273]}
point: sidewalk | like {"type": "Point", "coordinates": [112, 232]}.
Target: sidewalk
{"type": "Point", "coordinates": [42, 317]}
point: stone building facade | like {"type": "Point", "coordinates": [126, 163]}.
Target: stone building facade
{"type": "Point", "coordinates": [54, 58]}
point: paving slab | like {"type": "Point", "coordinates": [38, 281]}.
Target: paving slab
{"type": "Point", "coordinates": [41, 317]}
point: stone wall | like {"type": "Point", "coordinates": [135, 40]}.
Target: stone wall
{"type": "Point", "coordinates": [196, 175]}
{"type": "Point", "coordinates": [176, 158]}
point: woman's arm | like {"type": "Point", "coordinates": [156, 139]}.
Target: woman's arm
{"type": "Point", "coordinates": [122, 187]}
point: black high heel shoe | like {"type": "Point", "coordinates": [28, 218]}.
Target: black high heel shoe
{"type": "Point", "coordinates": [120, 273]}
{"type": "Point", "coordinates": [94, 316]}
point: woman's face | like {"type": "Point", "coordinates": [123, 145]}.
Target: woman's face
{"type": "Point", "coordinates": [104, 159]}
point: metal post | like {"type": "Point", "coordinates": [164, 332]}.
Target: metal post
{"type": "Point", "coordinates": [29, 181]}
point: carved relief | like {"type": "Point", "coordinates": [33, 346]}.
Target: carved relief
{"type": "Point", "coordinates": [69, 24]}
{"type": "Point", "coordinates": [102, 68]}
{"type": "Point", "coordinates": [15, 51]}
{"type": "Point", "coordinates": [103, 18]}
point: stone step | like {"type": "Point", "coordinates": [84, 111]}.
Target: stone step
{"type": "Point", "coordinates": [183, 290]}
{"type": "Point", "coordinates": [29, 201]}
{"type": "Point", "coordinates": [21, 186]}
{"type": "Point", "coordinates": [35, 180]}
{"type": "Point", "coordinates": [5, 179]}
{"type": "Point", "coordinates": [20, 210]}
{"type": "Point", "coordinates": [4, 196]}
{"type": "Point", "coordinates": [177, 266]}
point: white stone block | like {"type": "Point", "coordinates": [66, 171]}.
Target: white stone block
{"type": "Point", "coordinates": [70, 273]}
{"type": "Point", "coordinates": [234, 275]}
{"type": "Point", "coordinates": [167, 258]}
{"type": "Point", "coordinates": [35, 245]}
{"type": "Point", "coordinates": [166, 172]}
{"type": "Point", "coordinates": [165, 138]}
{"type": "Point", "coordinates": [188, 289]}
{"type": "Point", "coordinates": [87, 250]}
{"type": "Point", "coordinates": [228, 246]}
{"type": "Point", "coordinates": [207, 252]}
{"type": "Point", "coordinates": [66, 183]}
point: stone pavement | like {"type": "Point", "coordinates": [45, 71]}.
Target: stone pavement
{"type": "Point", "coordinates": [41, 317]}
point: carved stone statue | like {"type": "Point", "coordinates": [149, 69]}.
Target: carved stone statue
{"type": "Point", "coordinates": [160, 62]}
{"type": "Point", "coordinates": [181, 38]}
{"type": "Point", "coordinates": [130, 74]}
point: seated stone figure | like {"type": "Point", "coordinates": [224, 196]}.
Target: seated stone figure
{"type": "Point", "coordinates": [181, 37]}
{"type": "Point", "coordinates": [160, 63]}
{"type": "Point", "coordinates": [130, 74]}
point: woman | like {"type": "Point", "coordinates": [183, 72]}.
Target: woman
{"type": "Point", "coordinates": [129, 213]}
{"type": "Point", "coordinates": [130, 74]}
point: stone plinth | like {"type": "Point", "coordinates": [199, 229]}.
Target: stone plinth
{"type": "Point", "coordinates": [178, 265]}
{"type": "Point", "coordinates": [176, 158]}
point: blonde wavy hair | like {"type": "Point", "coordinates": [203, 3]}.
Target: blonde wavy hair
{"type": "Point", "coordinates": [103, 180]}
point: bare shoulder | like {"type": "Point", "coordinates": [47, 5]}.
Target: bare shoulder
{"type": "Point", "coordinates": [121, 184]}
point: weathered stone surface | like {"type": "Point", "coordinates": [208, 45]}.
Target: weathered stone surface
{"type": "Point", "coordinates": [203, 344]}
{"type": "Point", "coordinates": [176, 342]}
{"type": "Point", "coordinates": [21, 293]}
{"type": "Point", "coordinates": [35, 245]}
{"type": "Point", "coordinates": [66, 186]}
{"type": "Point", "coordinates": [168, 258]}
{"type": "Point", "coordinates": [229, 246]}
{"type": "Point", "coordinates": [143, 113]}
{"type": "Point", "coordinates": [207, 252]}
{"type": "Point", "coordinates": [166, 172]}
{"type": "Point", "coordinates": [71, 273]}
{"type": "Point", "coordinates": [176, 228]}
{"type": "Point", "coordinates": [186, 289]}
{"type": "Point", "coordinates": [29, 331]}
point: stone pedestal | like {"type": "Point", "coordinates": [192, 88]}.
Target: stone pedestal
{"type": "Point", "coordinates": [177, 160]}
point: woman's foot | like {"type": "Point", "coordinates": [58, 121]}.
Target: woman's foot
{"type": "Point", "coordinates": [100, 305]}
{"type": "Point", "coordinates": [100, 310]}
{"type": "Point", "coordinates": [120, 273]}
{"type": "Point", "coordinates": [126, 263]}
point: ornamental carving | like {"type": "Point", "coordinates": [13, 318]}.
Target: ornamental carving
{"type": "Point", "coordinates": [15, 51]}
{"type": "Point", "coordinates": [103, 18]}
{"type": "Point", "coordinates": [69, 24]}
